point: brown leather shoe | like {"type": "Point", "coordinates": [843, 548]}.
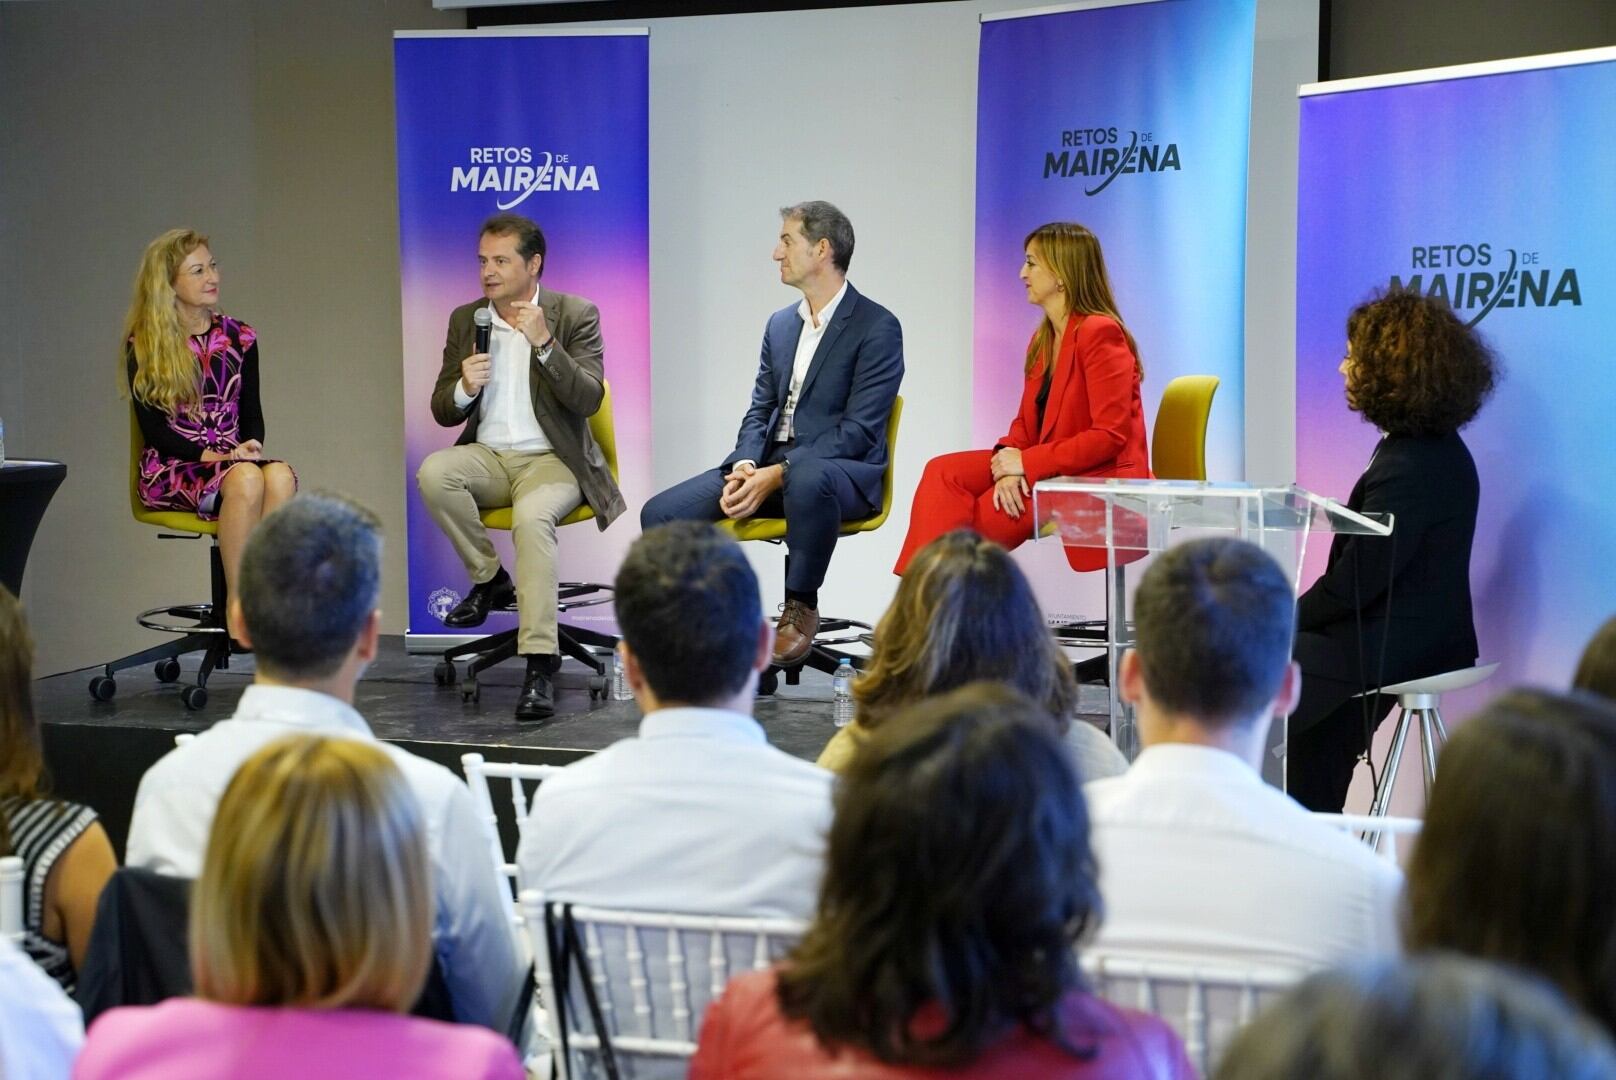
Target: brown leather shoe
{"type": "Point", "coordinates": [794, 633]}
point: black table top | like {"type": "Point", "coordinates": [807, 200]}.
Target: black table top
{"type": "Point", "coordinates": [31, 471]}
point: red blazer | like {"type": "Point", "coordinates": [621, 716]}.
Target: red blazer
{"type": "Point", "coordinates": [1094, 422]}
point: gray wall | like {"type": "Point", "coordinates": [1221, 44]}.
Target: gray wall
{"type": "Point", "coordinates": [268, 125]}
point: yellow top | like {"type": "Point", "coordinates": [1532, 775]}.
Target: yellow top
{"type": "Point", "coordinates": [838, 753]}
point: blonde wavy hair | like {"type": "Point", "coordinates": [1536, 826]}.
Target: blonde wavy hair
{"type": "Point", "coordinates": [315, 891]}
{"type": "Point", "coordinates": [166, 372]}
{"type": "Point", "coordinates": [964, 612]}
{"type": "Point", "coordinates": [1073, 255]}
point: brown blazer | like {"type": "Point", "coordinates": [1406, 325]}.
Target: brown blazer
{"type": "Point", "coordinates": [567, 391]}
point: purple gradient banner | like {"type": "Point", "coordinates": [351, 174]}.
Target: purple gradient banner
{"type": "Point", "coordinates": [1132, 120]}
{"type": "Point", "coordinates": [553, 126]}
{"type": "Point", "coordinates": [1494, 192]}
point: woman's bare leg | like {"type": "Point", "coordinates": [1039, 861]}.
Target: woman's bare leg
{"type": "Point", "coordinates": [241, 505]}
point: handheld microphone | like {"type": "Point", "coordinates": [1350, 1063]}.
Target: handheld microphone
{"type": "Point", "coordinates": [485, 325]}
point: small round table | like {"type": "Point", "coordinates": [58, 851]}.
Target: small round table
{"type": "Point", "coordinates": [26, 488]}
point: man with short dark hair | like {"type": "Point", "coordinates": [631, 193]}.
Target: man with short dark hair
{"type": "Point", "coordinates": [306, 603]}
{"type": "Point", "coordinates": [526, 405]}
{"type": "Point", "coordinates": [698, 813]}
{"type": "Point", "coordinates": [813, 444]}
{"type": "Point", "coordinates": [1199, 858]}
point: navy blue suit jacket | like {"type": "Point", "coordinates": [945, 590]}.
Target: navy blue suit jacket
{"type": "Point", "coordinates": [846, 395]}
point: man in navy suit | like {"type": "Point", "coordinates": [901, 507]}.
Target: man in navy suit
{"type": "Point", "coordinates": [813, 445]}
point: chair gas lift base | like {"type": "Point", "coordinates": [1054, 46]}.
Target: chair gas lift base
{"type": "Point", "coordinates": [589, 647]}
{"type": "Point", "coordinates": [201, 626]}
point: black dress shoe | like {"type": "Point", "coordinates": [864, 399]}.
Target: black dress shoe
{"type": "Point", "coordinates": [497, 592]}
{"type": "Point", "coordinates": [537, 701]}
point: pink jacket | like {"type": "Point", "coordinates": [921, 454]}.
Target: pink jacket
{"type": "Point", "coordinates": [189, 1039]}
{"type": "Point", "coordinates": [745, 1036]}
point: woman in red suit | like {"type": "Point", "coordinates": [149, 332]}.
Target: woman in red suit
{"type": "Point", "coordinates": [1080, 410]}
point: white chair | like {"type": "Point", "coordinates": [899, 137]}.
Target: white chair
{"type": "Point", "coordinates": [1419, 700]}
{"type": "Point", "coordinates": [11, 898]}
{"type": "Point", "coordinates": [654, 974]}
{"type": "Point", "coordinates": [1380, 833]}
{"type": "Point", "coordinates": [1206, 1004]}
{"type": "Point", "coordinates": [479, 773]}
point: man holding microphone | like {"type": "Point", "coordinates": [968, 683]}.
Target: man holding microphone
{"type": "Point", "coordinates": [523, 370]}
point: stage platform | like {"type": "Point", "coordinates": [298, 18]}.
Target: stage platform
{"type": "Point", "coordinates": [97, 751]}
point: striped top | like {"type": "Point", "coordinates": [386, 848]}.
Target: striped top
{"type": "Point", "coordinates": [41, 829]}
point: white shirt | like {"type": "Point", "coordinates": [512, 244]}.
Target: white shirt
{"type": "Point", "coordinates": [179, 795]}
{"type": "Point", "coordinates": [1202, 860]}
{"type": "Point", "coordinates": [807, 343]}
{"type": "Point", "coordinates": [505, 408]}
{"type": "Point", "coordinates": [41, 1029]}
{"type": "Point", "coordinates": [698, 814]}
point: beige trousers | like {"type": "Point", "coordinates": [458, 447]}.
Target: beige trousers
{"type": "Point", "coordinates": [459, 481]}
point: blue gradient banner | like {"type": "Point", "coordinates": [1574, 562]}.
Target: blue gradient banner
{"type": "Point", "coordinates": [1495, 192]}
{"type": "Point", "coordinates": [554, 127]}
{"type": "Point", "coordinates": [1133, 121]}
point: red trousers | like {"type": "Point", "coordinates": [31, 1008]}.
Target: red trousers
{"type": "Point", "coordinates": [956, 492]}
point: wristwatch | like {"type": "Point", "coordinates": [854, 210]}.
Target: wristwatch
{"type": "Point", "coordinates": [785, 470]}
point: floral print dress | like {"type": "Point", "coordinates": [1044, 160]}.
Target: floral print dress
{"type": "Point", "coordinates": [173, 475]}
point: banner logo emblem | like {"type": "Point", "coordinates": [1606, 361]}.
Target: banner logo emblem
{"type": "Point", "coordinates": [1474, 279]}
{"type": "Point", "coordinates": [1097, 155]}
{"type": "Point", "coordinates": [518, 171]}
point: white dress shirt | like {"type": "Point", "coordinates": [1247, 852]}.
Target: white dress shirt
{"type": "Point", "coordinates": [505, 408]}
{"type": "Point", "coordinates": [807, 343]}
{"type": "Point", "coordinates": [1201, 860]}
{"type": "Point", "coordinates": [41, 1029]}
{"type": "Point", "coordinates": [179, 795]}
{"type": "Point", "coordinates": [697, 814]}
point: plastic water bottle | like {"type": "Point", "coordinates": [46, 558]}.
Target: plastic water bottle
{"type": "Point", "coordinates": [842, 693]}
{"type": "Point", "coordinates": [620, 690]}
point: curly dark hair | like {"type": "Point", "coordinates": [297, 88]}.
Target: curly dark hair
{"type": "Point", "coordinates": [1416, 368]}
{"type": "Point", "coordinates": [958, 873]}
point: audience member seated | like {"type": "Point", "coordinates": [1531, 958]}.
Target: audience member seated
{"type": "Point", "coordinates": [958, 878]}
{"type": "Point", "coordinates": [964, 612]}
{"type": "Point", "coordinates": [65, 852]}
{"type": "Point", "coordinates": [1596, 671]}
{"type": "Point", "coordinates": [40, 1027]}
{"type": "Point", "coordinates": [306, 604]}
{"type": "Point", "coordinates": [1514, 864]}
{"type": "Point", "coordinates": [311, 932]}
{"type": "Point", "coordinates": [1443, 1016]}
{"type": "Point", "coordinates": [1199, 858]}
{"type": "Point", "coordinates": [698, 813]}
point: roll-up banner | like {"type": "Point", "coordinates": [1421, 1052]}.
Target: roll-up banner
{"type": "Point", "coordinates": [1131, 119]}
{"type": "Point", "coordinates": [554, 126]}
{"type": "Point", "coordinates": [1488, 185]}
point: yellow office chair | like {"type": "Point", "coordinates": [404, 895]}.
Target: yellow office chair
{"type": "Point", "coordinates": [1178, 441]}
{"type": "Point", "coordinates": [203, 627]}
{"type": "Point", "coordinates": [823, 657]}
{"type": "Point", "coordinates": [574, 641]}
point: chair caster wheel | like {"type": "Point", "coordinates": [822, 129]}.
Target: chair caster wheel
{"type": "Point", "coordinates": [102, 687]}
{"type": "Point", "coordinates": [194, 697]}
{"type": "Point", "coordinates": [167, 671]}
{"type": "Point", "coordinates": [768, 683]}
{"type": "Point", "coordinates": [470, 692]}
{"type": "Point", "coordinates": [444, 673]}
{"type": "Point", "coordinates": [599, 687]}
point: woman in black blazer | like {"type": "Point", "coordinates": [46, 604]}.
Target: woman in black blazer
{"type": "Point", "coordinates": [1392, 608]}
